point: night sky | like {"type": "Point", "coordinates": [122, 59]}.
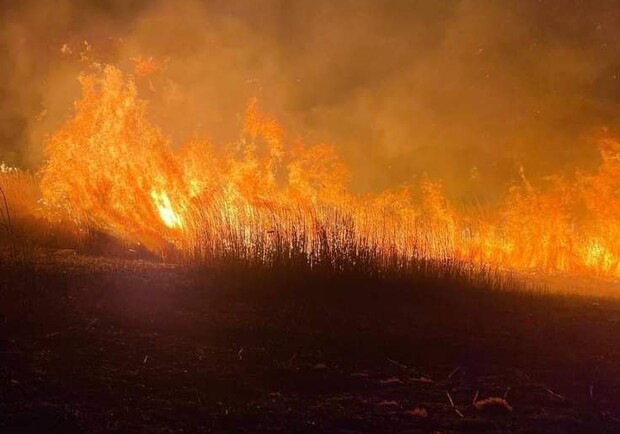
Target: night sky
{"type": "Point", "coordinates": [399, 87]}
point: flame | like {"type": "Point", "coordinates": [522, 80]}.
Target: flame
{"type": "Point", "coordinates": [271, 196]}
{"type": "Point", "coordinates": [107, 160]}
{"type": "Point", "coordinates": [166, 212]}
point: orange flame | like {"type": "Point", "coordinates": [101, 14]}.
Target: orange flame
{"type": "Point", "coordinates": [271, 195]}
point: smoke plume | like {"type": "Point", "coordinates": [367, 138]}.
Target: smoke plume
{"type": "Point", "coordinates": [467, 91]}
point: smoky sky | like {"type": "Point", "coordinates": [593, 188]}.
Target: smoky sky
{"type": "Point", "coordinates": [400, 88]}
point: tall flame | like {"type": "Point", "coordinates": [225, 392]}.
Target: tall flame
{"type": "Point", "coordinates": [270, 194]}
{"type": "Point", "coordinates": [111, 167]}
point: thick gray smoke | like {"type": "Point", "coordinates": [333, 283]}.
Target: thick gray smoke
{"type": "Point", "coordinates": [399, 87]}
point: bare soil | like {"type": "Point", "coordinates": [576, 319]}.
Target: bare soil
{"type": "Point", "coordinates": [91, 345]}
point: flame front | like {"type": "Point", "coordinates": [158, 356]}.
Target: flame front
{"type": "Point", "coordinates": [270, 196]}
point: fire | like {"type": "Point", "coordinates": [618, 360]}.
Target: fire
{"type": "Point", "coordinates": [271, 198]}
{"type": "Point", "coordinates": [166, 212]}
{"type": "Point", "coordinates": [110, 168]}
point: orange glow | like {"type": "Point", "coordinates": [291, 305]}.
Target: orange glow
{"type": "Point", "coordinates": [271, 195]}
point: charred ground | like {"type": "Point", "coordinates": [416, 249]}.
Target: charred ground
{"type": "Point", "coordinates": [101, 345]}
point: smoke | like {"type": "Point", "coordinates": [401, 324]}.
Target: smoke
{"type": "Point", "coordinates": [399, 87]}
{"type": "Point", "coordinates": [38, 81]}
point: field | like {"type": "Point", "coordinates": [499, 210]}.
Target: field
{"type": "Point", "coordinates": [127, 345]}
{"type": "Point", "coordinates": [338, 217]}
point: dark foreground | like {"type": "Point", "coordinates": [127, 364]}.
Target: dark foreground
{"type": "Point", "coordinates": [98, 346]}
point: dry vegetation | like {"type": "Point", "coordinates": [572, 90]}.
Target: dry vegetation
{"type": "Point", "coordinates": [113, 184]}
{"type": "Point", "coordinates": [271, 200]}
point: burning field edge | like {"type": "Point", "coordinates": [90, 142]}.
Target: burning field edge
{"type": "Point", "coordinates": [269, 199]}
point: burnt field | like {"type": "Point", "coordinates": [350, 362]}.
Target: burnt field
{"type": "Point", "coordinates": [112, 345]}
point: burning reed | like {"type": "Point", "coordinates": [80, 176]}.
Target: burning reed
{"type": "Point", "coordinates": [270, 200]}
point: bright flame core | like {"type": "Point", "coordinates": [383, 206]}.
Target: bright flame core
{"type": "Point", "coordinates": [166, 212]}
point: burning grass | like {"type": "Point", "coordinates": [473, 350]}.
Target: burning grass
{"type": "Point", "coordinates": [271, 201]}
